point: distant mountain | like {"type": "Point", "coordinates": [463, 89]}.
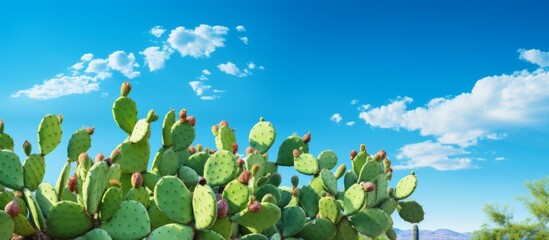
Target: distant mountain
{"type": "Point", "coordinates": [440, 234]}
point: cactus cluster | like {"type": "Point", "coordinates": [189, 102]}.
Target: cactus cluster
{"type": "Point", "coordinates": [192, 192]}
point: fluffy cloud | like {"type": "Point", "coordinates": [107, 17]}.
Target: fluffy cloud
{"type": "Point", "coordinates": [157, 31]}
{"type": "Point", "coordinates": [535, 56]}
{"type": "Point", "coordinates": [435, 155]}
{"type": "Point", "coordinates": [86, 57]}
{"type": "Point", "coordinates": [199, 87]}
{"type": "Point", "coordinates": [60, 85]}
{"type": "Point", "coordinates": [120, 61]}
{"type": "Point", "coordinates": [206, 72]}
{"type": "Point", "coordinates": [100, 67]}
{"type": "Point", "coordinates": [155, 58]}
{"type": "Point", "coordinates": [251, 65]}
{"type": "Point", "coordinates": [200, 42]}
{"type": "Point", "coordinates": [351, 123]}
{"type": "Point", "coordinates": [229, 68]}
{"type": "Point", "coordinates": [240, 28]}
{"type": "Point", "coordinates": [244, 40]}
{"type": "Point", "coordinates": [336, 118]}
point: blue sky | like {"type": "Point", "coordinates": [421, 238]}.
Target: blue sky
{"type": "Point", "coordinates": [457, 91]}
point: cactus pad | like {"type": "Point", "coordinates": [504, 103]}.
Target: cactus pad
{"type": "Point", "coordinates": [209, 235]}
{"type": "Point", "coordinates": [140, 131]}
{"type": "Point", "coordinates": [308, 199]}
{"type": "Point", "coordinates": [174, 199]}
{"type": "Point", "coordinates": [11, 171]}
{"type": "Point", "coordinates": [255, 158]}
{"type": "Point", "coordinates": [262, 136]}
{"type": "Point", "coordinates": [405, 187]}
{"type": "Point", "coordinates": [285, 152]}
{"type": "Point", "coordinates": [319, 228]}
{"type": "Point", "coordinates": [267, 216]}
{"type": "Point", "coordinates": [124, 112]}
{"type": "Point", "coordinates": [22, 226]}
{"type": "Point", "coordinates": [135, 156]}
{"type": "Point", "coordinates": [389, 205]}
{"type": "Point", "coordinates": [346, 231]}
{"type": "Point", "coordinates": [329, 181]}
{"type": "Point", "coordinates": [369, 172]}
{"type": "Point", "coordinates": [140, 195]}
{"type": "Point", "coordinates": [204, 207]}
{"type": "Point", "coordinates": [306, 163]}
{"type": "Point", "coordinates": [80, 142]}
{"type": "Point", "coordinates": [327, 159]}
{"type": "Point", "coordinates": [157, 217]}
{"type": "Point", "coordinates": [328, 208]}
{"type": "Point", "coordinates": [197, 162]}
{"type": "Point", "coordinates": [172, 231]}
{"type": "Point", "coordinates": [371, 222]}
{"type": "Point", "coordinates": [268, 189]}
{"type": "Point", "coordinates": [410, 211]}
{"type": "Point", "coordinates": [293, 220]}
{"type": "Point", "coordinates": [49, 133]}
{"type": "Point", "coordinates": [7, 226]}
{"type": "Point", "coordinates": [220, 168]}
{"type": "Point", "coordinates": [225, 138]}
{"type": "Point", "coordinates": [188, 176]}
{"type": "Point", "coordinates": [359, 161]}
{"type": "Point", "coordinates": [62, 179]}
{"type": "Point", "coordinates": [182, 135]}
{"type": "Point", "coordinates": [254, 236]}
{"type": "Point", "coordinates": [223, 227]}
{"type": "Point", "coordinates": [169, 163]}
{"type": "Point", "coordinates": [349, 179]}
{"type": "Point", "coordinates": [97, 234]}
{"type": "Point", "coordinates": [131, 221]}
{"type": "Point", "coordinates": [68, 220]}
{"type": "Point", "coordinates": [109, 203]}
{"type": "Point", "coordinates": [46, 197]}
{"type": "Point", "coordinates": [94, 186]}
{"type": "Point", "coordinates": [354, 199]}
{"type": "Point", "coordinates": [169, 120]}
{"type": "Point", "coordinates": [34, 170]}
{"type": "Point", "coordinates": [237, 195]}
{"type": "Point", "coordinates": [6, 142]}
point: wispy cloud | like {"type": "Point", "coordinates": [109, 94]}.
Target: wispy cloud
{"type": "Point", "coordinates": [240, 28]}
{"type": "Point", "coordinates": [157, 31]}
{"type": "Point", "coordinates": [354, 101]}
{"type": "Point", "coordinates": [60, 85]}
{"type": "Point", "coordinates": [198, 42]}
{"type": "Point", "coordinates": [535, 56]}
{"type": "Point", "coordinates": [350, 123]}
{"type": "Point", "coordinates": [336, 118]}
{"type": "Point", "coordinates": [435, 155]}
{"type": "Point", "coordinates": [500, 158]}
{"type": "Point", "coordinates": [244, 40]}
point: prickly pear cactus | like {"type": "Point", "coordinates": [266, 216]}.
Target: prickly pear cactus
{"type": "Point", "coordinates": [68, 220]}
{"type": "Point", "coordinates": [11, 171]}
{"type": "Point", "coordinates": [49, 133]}
{"type": "Point", "coordinates": [262, 136]}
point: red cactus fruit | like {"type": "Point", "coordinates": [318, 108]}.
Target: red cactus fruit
{"type": "Point", "coordinates": [307, 138]}
{"type": "Point", "coordinates": [249, 150]}
{"type": "Point", "coordinates": [380, 155]}
{"type": "Point", "coordinates": [13, 208]}
{"type": "Point", "coordinates": [99, 157]}
{"type": "Point", "coordinates": [240, 162]}
{"type": "Point", "coordinates": [222, 208]}
{"type": "Point", "coordinates": [73, 184]}
{"type": "Point", "coordinates": [137, 180]}
{"type": "Point", "coordinates": [90, 130]}
{"type": "Point", "coordinates": [125, 89]}
{"type": "Point", "coordinates": [295, 180]}
{"type": "Point", "coordinates": [191, 120]}
{"type": "Point", "coordinates": [115, 182]}
{"type": "Point", "coordinates": [353, 154]}
{"type": "Point", "coordinates": [192, 150]}
{"type": "Point", "coordinates": [254, 207]}
{"type": "Point", "coordinates": [368, 186]}
{"type": "Point", "coordinates": [223, 123]}
{"type": "Point", "coordinates": [245, 177]}
{"type": "Point", "coordinates": [27, 148]}
{"type": "Point", "coordinates": [235, 147]}
{"type": "Point", "coordinates": [296, 153]}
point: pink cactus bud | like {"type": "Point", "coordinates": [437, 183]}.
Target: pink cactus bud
{"type": "Point", "coordinates": [249, 150]}
{"type": "Point", "coordinates": [307, 138]}
{"type": "Point", "coordinates": [13, 208]}
{"type": "Point", "coordinates": [254, 207]}
{"type": "Point", "coordinates": [60, 117]}
{"type": "Point", "coordinates": [240, 162]}
{"type": "Point", "coordinates": [90, 130]}
{"type": "Point", "coordinates": [192, 150]}
{"type": "Point", "coordinates": [212, 151]}
{"type": "Point", "coordinates": [223, 123]}
{"type": "Point", "coordinates": [296, 153]}
{"type": "Point", "coordinates": [137, 180]}
{"type": "Point", "coordinates": [191, 120]}
{"type": "Point", "coordinates": [115, 182]}
{"type": "Point", "coordinates": [222, 208]}
{"type": "Point", "coordinates": [99, 157]}
{"type": "Point", "coordinates": [255, 169]}
{"type": "Point", "coordinates": [353, 154]}
{"type": "Point", "coordinates": [368, 186]}
{"type": "Point", "coordinates": [295, 192]}
{"type": "Point", "coordinates": [125, 89]}
{"type": "Point", "coordinates": [245, 177]}
{"type": "Point", "coordinates": [389, 170]}
{"type": "Point", "coordinates": [202, 181]}
{"type": "Point", "coordinates": [73, 184]}
{"type": "Point", "coordinates": [380, 155]}
{"type": "Point", "coordinates": [183, 115]}
{"type": "Point", "coordinates": [82, 158]}
{"type": "Point", "coordinates": [235, 147]}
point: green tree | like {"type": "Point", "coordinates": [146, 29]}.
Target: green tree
{"type": "Point", "coordinates": [535, 228]}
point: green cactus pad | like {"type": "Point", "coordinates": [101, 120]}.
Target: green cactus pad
{"type": "Point", "coordinates": [157, 159]}
{"type": "Point", "coordinates": [293, 220]}
{"type": "Point", "coordinates": [110, 202]}
{"type": "Point", "coordinates": [188, 176]}
{"type": "Point", "coordinates": [135, 156]}
{"type": "Point", "coordinates": [285, 196]}
{"type": "Point", "coordinates": [68, 195]}
{"type": "Point", "coordinates": [140, 195]}
{"type": "Point", "coordinates": [46, 197]}
{"type": "Point", "coordinates": [262, 136]}
{"type": "Point", "coordinates": [124, 112]}
{"type": "Point", "coordinates": [405, 187]}
{"type": "Point", "coordinates": [126, 182]}
{"type": "Point", "coordinates": [5, 198]}
{"type": "Point", "coordinates": [68, 220]}
{"type": "Point", "coordinates": [22, 226]}
{"type": "Point", "coordinates": [346, 231]}
{"type": "Point", "coordinates": [327, 159]}
{"type": "Point", "coordinates": [318, 185]}
{"type": "Point", "coordinates": [97, 234]}
{"type": "Point", "coordinates": [172, 231]}
{"type": "Point", "coordinates": [80, 142]}
{"type": "Point", "coordinates": [355, 198]}
{"type": "Point", "coordinates": [197, 162]}
{"type": "Point", "coordinates": [209, 235]}
{"type": "Point", "coordinates": [174, 199]}
{"type": "Point", "coordinates": [256, 158]}
{"type": "Point", "coordinates": [11, 171]}
{"type": "Point", "coordinates": [389, 206]}
{"type": "Point", "coordinates": [261, 220]}
{"type": "Point", "coordinates": [6, 142]}
{"type": "Point", "coordinates": [131, 221]}
{"type": "Point", "coordinates": [34, 170]}
{"type": "Point", "coordinates": [35, 212]}
{"type": "Point", "coordinates": [329, 181]}
{"type": "Point", "coordinates": [225, 138]}
{"type": "Point", "coordinates": [223, 227]}
{"type": "Point", "coordinates": [7, 226]}
{"type": "Point", "coordinates": [94, 186]}
{"type": "Point", "coordinates": [169, 120]}
{"type": "Point", "coordinates": [381, 188]}
{"type": "Point", "coordinates": [349, 179]}
{"type": "Point", "coordinates": [169, 163]}
{"type": "Point", "coordinates": [410, 211]}
{"type": "Point", "coordinates": [371, 222]}
{"type": "Point", "coordinates": [220, 168]}
{"type": "Point", "coordinates": [150, 180]}
{"type": "Point", "coordinates": [307, 164]}
{"type": "Point", "coordinates": [267, 189]}
{"type": "Point", "coordinates": [318, 229]}
{"type": "Point", "coordinates": [285, 152]}
{"type": "Point", "coordinates": [140, 131]}
{"type": "Point", "coordinates": [328, 208]}
{"type": "Point", "coordinates": [204, 207]}
{"type": "Point", "coordinates": [308, 199]}
{"type": "Point", "coordinates": [359, 161]}
{"type": "Point", "coordinates": [62, 179]}
{"type": "Point", "coordinates": [183, 156]}
{"type": "Point", "coordinates": [49, 133]}
{"type": "Point", "coordinates": [237, 195]}
{"type": "Point", "coordinates": [157, 217]}
{"type": "Point", "coordinates": [254, 236]}
{"type": "Point", "coordinates": [182, 135]}
{"type": "Point", "coordinates": [369, 172]}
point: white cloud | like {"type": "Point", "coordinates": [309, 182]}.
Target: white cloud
{"type": "Point", "coordinates": [244, 40]}
{"type": "Point", "coordinates": [199, 87]}
{"type": "Point", "coordinates": [500, 158]}
{"type": "Point", "coordinates": [200, 42]}
{"type": "Point", "coordinates": [354, 101]}
{"type": "Point", "coordinates": [261, 67]}
{"type": "Point", "coordinates": [213, 97]}
{"type": "Point", "coordinates": [77, 66]}
{"type": "Point", "coordinates": [60, 85]}
{"type": "Point", "coordinates": [351, 123]}
{"type": "Point", "coordinates": [240, 28]}
{"type": "Point", "coordinates": [156, 58]}
{"type": "Point", "coordinates": [494, 105]}
{"type": "Point", "coordinates": [435, 155]}
{"type": "Point", "coordinates": [336, 118]}
{"type": "Point", "coordinates": [86, 57]}
{"type": "Point", "coordinates": [100, 67]}
{"type": "Point", "coordinates": [124, 63]}
{"type": "Point", "coordinates": [206, 72]}
{"type": "Point", "coordinates": [157, 31]}
{"type": "Point", "coordinates": [229, 68]}
{"type": "Point", "coordinates": [251, 65]}
{"type": "Point", "coordinates": [219, 91]}
{"type": "Point", "coordinates": [535, 56]}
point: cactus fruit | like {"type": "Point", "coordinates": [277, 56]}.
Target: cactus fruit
{"type": "Point", "coordinates": [131, 221]}
{"type": "Point", "coordinates": [262, 136]}
{"type": "Point", "coordinates": [49, 133]}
